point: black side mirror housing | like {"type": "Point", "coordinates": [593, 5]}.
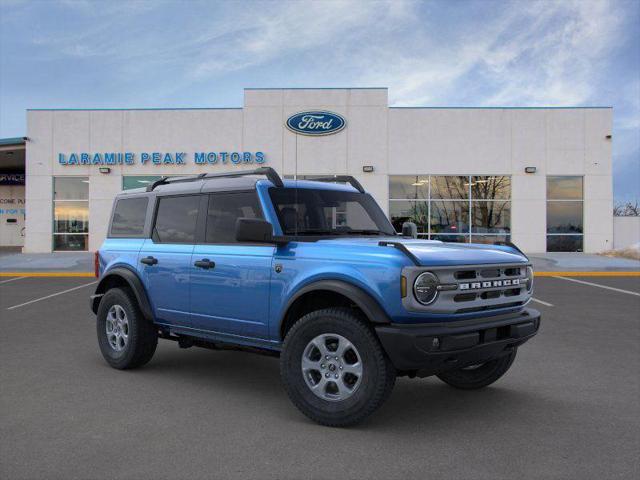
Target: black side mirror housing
{"type": "Point", "coordinates": [409, 229]}
{"type": "Point", "coordinates": [254, 230]}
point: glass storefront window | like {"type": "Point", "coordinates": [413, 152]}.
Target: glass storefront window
{"type": "Point", "coordinates": [450, 217]}
{"type": "Point", "coordinates": [564, 217]}
{"type": "Point", "coordinates": [70, 213]}
{"type": "Point", "coordinates": [449, 187]}
{"type": "Point", "coordinates": [564, 243]}
{"type": "Point", "coordinates": [491, 217]}
{"type": "Point", "coordinates": [71, 188]}
{"type": "Point", "coordinates": [416, 212]}
{"type": "Point", "coordinates": [138, 181]}
{"type": "Point", "coordinates": [495, 187]}
{"type": "Point", "coordinates": [489, 239]}
{"type": "Point", "coordinates": [564, 214]}
{"type": "Point", "coordinates": [564, 188]}
{"type": "Point", "coordinates": [63, 243]}
{"type": "Point", "coordinates": [451, 238]}
{"type": "Point", "coordinates": [458, 208]}
{"type": "Point", "coordinates": [413, 187]}
{"type": "Point", "coordinates": [71, 217]}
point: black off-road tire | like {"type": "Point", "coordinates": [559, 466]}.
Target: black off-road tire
{"type": "Point", "coordinates": [142, 334]}
{"type": "Point", "coordinates": [378, 376]}
{"type": "Point", "coordinates": [480, 377]}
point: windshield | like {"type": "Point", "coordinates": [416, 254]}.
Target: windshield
{"type": "Point", "coordinates": [304, 211]}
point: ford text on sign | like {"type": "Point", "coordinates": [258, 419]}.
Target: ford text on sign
{"type": "Point", "coordinates": [316, 123]}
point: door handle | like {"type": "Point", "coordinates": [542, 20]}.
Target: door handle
{"type": "Point", "coordinates": [149, 260]}
{"type": "Point", "coordinates": [205, 263]}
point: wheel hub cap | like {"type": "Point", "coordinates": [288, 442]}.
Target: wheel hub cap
{"type": "Point", "coordinates": [117, 328]}
{"type": "Point", "coordinates": [332, 367]}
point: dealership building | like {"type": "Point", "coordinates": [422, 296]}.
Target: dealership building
{"type": "Point", "coordinates": [538, 177]}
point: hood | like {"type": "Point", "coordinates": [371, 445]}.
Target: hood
{"type": "Point", "coordinates": [436, 253]}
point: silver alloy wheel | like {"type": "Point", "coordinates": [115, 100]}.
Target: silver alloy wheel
{"type": "Point", "coordinates": [117, 327]}
{"type": "Point", "coordinates": [332, 367]}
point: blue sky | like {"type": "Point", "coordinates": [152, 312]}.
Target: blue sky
{"type": "Point", "coordinates": [110, 54]}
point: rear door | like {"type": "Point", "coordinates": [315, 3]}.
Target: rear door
{"type": "Point", "coordinates": [165, 258]}
{"type": "Point", "coordinates": [230, 280]}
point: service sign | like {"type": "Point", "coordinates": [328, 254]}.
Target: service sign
{"type": "Point", "coordinates": [316, 123]}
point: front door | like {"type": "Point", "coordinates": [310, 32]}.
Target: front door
{"type": "Point", "coordinates": [165, 258]}
{"type": "Point", "coordinates": [230, 280]}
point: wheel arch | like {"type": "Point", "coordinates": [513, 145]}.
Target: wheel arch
{"type": "Point", "coordinates": [327, 291]}
{"type": "Point", "coordinates": [123, 277]}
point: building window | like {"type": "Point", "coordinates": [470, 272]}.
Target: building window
{"type": "Point", "coordinates": [70, 213]}
{"type": "Point", "coordinates": [138, 181]}
{"type": "Point", "coordinates": [564, 214]}
{"type": "Point", "coordinates": [460, 208]}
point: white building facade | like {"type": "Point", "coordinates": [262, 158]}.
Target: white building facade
{"type": "Point", "coordinates": [538, 177]}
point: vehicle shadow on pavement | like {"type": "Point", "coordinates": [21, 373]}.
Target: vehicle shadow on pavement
{"type": "Point", "coordinates": [254, 381]}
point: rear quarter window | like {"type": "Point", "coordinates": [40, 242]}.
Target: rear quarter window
{"type": "Point", "coordinates": [129, 216]}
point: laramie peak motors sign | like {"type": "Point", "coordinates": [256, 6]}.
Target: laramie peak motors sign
{"type": "Point", "coordinates": [161, 158]}
{"type": "Point", "coordinates": [315, 123]}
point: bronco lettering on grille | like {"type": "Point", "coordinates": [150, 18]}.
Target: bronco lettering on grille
{"type": "Point", "coordinates": [491, 284]}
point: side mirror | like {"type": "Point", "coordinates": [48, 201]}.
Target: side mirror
{"type": "Point", "coordinates": [409, 229]}
{"type": "Point", "coordinates": [254, 230]}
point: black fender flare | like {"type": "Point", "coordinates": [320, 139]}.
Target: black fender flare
{"type": "Point", "coordinates": [133, 281]}
{"type": "Point", "coordinates": [363, 300]}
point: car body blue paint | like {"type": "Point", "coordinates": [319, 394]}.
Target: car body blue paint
{"type": "Point", "coordinates": [244, 299]}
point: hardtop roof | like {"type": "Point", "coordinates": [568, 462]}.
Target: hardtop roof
{"type": "Point", "coordinates": [248, 182]}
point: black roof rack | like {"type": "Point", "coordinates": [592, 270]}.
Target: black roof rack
{"type": "Point", "coordinates": [340, 178]}
{"type": "Point", "coordinates": [269, 172]}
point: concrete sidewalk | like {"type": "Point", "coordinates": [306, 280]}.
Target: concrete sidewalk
{"type": "Point", "coordinates": [581, 262]}
{"type": "Point", "coordinates": [82, 262]}
{"type": "Point", "coordinates": [69, 262]}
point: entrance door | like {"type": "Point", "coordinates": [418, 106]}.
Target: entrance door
{"type": "Point", "coordinates": [11, 215]}
{"type": "Point", "coordinates": [230, 280]}
{"type": "Point", "coordinates": [165, 259]}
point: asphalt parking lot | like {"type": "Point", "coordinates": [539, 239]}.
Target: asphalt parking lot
{"type": "Point", "coordinates": [568, 408]}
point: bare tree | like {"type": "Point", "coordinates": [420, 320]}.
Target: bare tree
{"type": "Point", "coordinates": [628, 209]}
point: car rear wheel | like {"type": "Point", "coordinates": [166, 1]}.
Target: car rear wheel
{"type": "Point", "coordinates": [334, 369]}
{"type": "Point", "coordinates": [478, 376]}
{"type": "Point", "coordinates": [126, 338]}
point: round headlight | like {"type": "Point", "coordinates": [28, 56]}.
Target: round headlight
{"type": "Point", "coordinates": [425, 288]}
{"type": "Point", "coordinates": [529, 279]}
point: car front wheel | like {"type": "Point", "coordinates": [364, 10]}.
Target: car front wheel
{"type": "Point", "coordinates": [334, 368]}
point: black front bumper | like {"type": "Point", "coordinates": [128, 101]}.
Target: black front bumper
{"type": "Point", "coordinates": [431, 348]}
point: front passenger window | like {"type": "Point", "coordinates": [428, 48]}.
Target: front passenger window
{"type": "Point", "coordinates": [224, 209]}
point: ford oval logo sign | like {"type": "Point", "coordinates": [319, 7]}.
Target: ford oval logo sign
{"type": "Point", "coordinates": [316, 123]}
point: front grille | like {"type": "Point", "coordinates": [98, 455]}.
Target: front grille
{"type": "Point", "coordinates": [472, 288]}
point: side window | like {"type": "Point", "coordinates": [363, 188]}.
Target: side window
{"type": "Point", "coordinates": [129, 216]}
{"type": "Point", "coordinates": [176, 219]}
{"type": "Point", "coordinates": [224, 209]}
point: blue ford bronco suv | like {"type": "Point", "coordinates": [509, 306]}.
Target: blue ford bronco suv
{"type": "Point", "coordinates": [312, 272]}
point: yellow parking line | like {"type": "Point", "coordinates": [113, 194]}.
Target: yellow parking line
{"type": "Point", "coordinates": [47, 274]}
{"type": "Point", "coordinates": [587, 274]}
